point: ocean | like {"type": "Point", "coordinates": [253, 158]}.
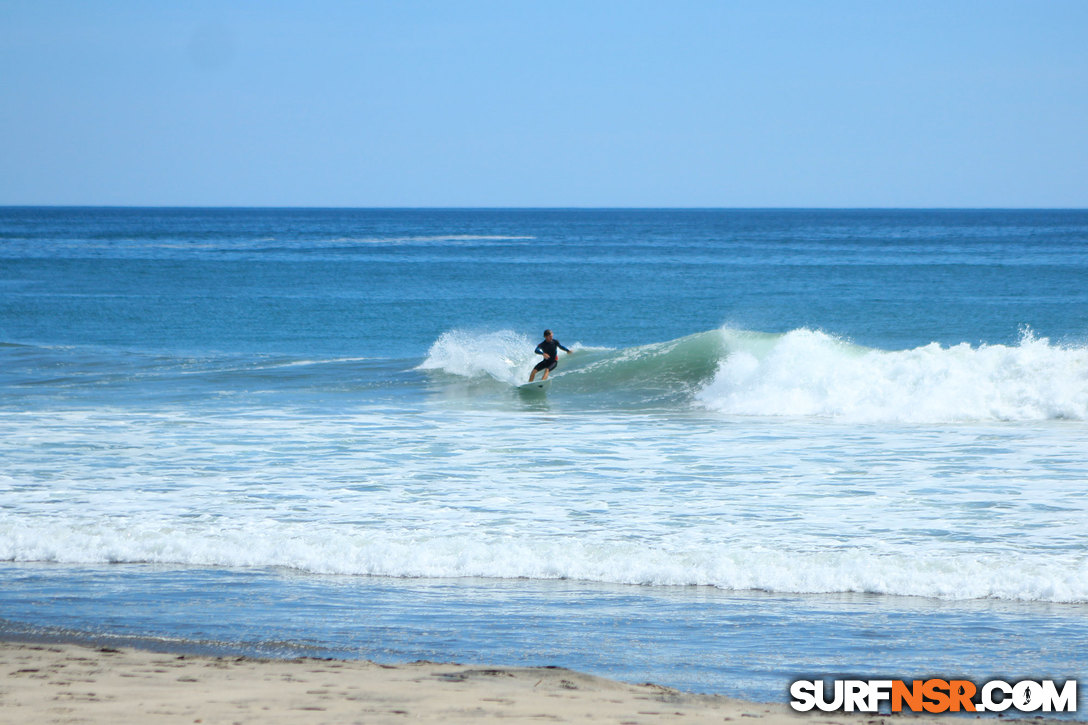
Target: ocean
{"type": "Point", "coordinates": [786, 443]}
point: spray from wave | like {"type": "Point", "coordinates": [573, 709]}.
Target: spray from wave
{"type": "Point", "coordinates": [501, 356]}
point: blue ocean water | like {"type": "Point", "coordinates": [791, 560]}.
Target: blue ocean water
{"type": "Point", "coordinates": [786, 443]}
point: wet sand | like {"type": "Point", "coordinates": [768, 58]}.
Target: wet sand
{"type": "Point", "coordinates": [61, 683]}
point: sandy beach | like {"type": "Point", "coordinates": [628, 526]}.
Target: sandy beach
{"type": "Point", "coordinates": [60, 683]}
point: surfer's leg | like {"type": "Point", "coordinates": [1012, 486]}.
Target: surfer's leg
{"type": "Point", "coordinates": [542, 365]}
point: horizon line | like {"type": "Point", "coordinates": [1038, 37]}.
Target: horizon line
{"type": "Point", "coordinates": [226, 207]}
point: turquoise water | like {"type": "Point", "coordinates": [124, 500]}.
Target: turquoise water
{"type": "Point", "coordinates": [859, 435]}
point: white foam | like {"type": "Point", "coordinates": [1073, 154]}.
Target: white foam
{"type": "Point", "coordinates": [504, 355]}
{"type": "Point", "coordinates": [331, 550]}
{"type": "Point", "coordinates": [954, 511]}
{"type": "Point", "coordinates": [810, 373]}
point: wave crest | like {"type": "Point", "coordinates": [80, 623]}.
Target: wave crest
{"type": "Point", "coordinates": [809, 373]}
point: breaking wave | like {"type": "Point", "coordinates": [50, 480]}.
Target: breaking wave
{"type": "Point", "coordinates": [331, 550]}
{"type": "Point", "coordinates": [801, 373]}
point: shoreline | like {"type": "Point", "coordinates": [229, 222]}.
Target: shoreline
{"type": "Point", "coordinates": [60, 683]}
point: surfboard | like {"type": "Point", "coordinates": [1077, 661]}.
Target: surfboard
{"type": "Point", "coordinates": [534, 384]}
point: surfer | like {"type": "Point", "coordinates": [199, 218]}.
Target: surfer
{"type": "Point", "coordinates": [550, 350]}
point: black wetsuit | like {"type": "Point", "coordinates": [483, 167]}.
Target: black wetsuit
{"type": "Point", "coordinates": [550, 348]}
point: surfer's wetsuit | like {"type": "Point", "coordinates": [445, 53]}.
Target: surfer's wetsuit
{"type": "Point", "coordinates": [550, 348]}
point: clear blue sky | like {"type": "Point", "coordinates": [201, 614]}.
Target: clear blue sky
{"type": "Point", "coordinates": [549, 103]}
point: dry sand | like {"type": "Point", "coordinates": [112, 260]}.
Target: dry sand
{"type": "Point", "coordinates": [50, 683]}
